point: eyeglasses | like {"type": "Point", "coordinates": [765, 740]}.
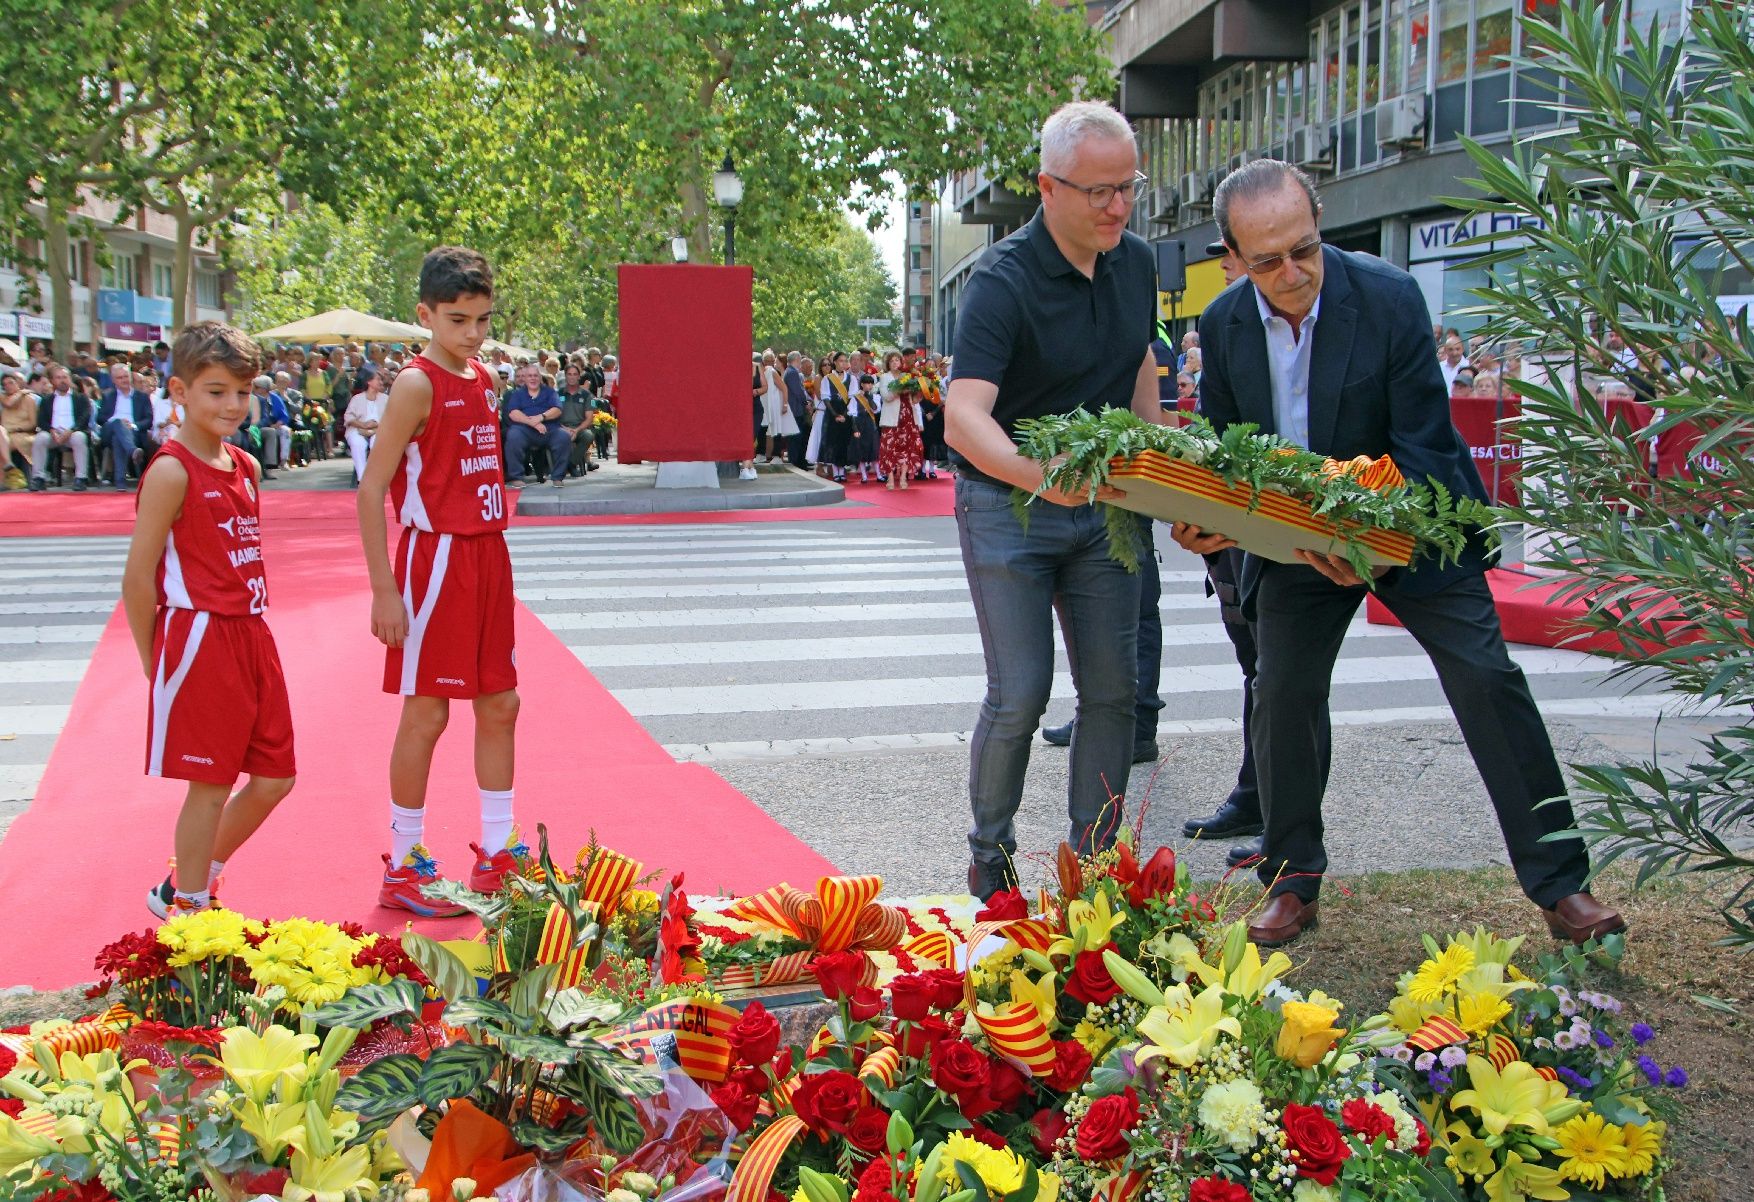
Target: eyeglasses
{"type": "Point", "coordinates": [1302, 252]}
{"type": "Point", "coordinates": [1101, 195]}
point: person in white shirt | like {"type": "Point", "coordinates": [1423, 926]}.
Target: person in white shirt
{"type": "Point", "coordinates": [1451, 360]}
{"type": "Point", "coordinates": [364, 412]}
{"type": "Point", "coordinates": [64, 419]}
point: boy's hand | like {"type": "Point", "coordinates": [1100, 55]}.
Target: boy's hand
{"type": "Point", "coordinates": [389, 619]}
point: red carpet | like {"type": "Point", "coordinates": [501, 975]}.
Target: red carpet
{"type": "Point", "coordinates": [74, 868]}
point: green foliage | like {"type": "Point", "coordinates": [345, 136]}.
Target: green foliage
{"type": "Point", "coordinates": [1644, 205]}
{"type": "Point", "coordinates": [317, 259]}
{"type": "Point", "coordinates": [1080, 450]}
{"type": "Point", "coordinates": [814, 280]}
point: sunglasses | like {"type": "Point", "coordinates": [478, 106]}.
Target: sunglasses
{"type": "Point", "coordinates": [1302, 252]}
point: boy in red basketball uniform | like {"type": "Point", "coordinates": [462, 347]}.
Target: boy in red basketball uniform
{"type": "Point", "coordinates": [444, 608]}
{"type": "Point", "coordinates": [194, 591]}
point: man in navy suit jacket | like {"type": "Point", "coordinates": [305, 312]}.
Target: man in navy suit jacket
{"type": "Point", "coordinates": [124, 423]}
{"type": "Point", "coordinates": [1332, 351]}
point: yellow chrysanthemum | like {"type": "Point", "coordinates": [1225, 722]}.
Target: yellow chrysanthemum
{"type": "Point", "coordinates": [1478, 1013]}
{"type": "Point", "coordinates": [1000, 1169]}
{"type": "Point", "coordinates": [1094, 1038]}
{"type": "Point", "coordinates": [1435, 977]}
{"type": "Point", "coordinates": [206, 934]}
{"type": "Point", "coordinates": [1641, 1143]}
{"type": "Point", "coordinates": [1591, 1150]}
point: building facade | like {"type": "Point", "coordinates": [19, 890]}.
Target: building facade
{"type": "Point", "coordinates": [919, 291]}
{"type": "Point", "coordinates": [1371, 97]}
{"type": "Point", "coordinates": [124, 304]}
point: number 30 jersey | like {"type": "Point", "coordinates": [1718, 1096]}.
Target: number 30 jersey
{"type": "Point", "coordinates": [212, 559]}
{"type": "Point", "coordinates": [452, 479]}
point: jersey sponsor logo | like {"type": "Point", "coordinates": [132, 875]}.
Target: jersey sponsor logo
{"type": "Point", "coordinates": [451, 680]}
{"type": "Point", "coordinates": [213, 494]}
{"type": "Point", "coordinates": [242, 527]}
{"type": "Point", "coordinates": [198, 759]}
{"type": "Point", "coordinates": [455, 404]}
{"type": "Point", "coordinates": [229, 525]}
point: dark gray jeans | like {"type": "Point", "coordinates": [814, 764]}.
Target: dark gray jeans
{"type": "Point", "coordinates": [1019, 580]}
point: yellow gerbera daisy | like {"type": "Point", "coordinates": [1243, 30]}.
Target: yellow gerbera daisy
{"type": "Point", "coordinates": [1642, 1144]}
{"type": "Point", "coordinates": [1436, 976]}
{"type": "Point", "coordinates": [1591, 1150]}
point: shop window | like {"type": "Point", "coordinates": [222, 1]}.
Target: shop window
{"type": "Point", "coordinates": [119, 272]}
{"type": "Point", "coordinates": [1491, 35]}
{"type": "Point", "coordinates": [162, 279]}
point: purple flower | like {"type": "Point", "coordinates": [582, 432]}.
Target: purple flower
{"type": "Point", "coordinates": [1603, 1039]}
{"type": "Point", "coordinates": [1676, 1078]}
{"type": "Point", "coordinates": [1438, 1080]}
{"type": "Point", "coordinates": [1653, 1072]}
{"type": "Point", "coordinates": [1577, 1081]}
{"type": "Point", "coordinates": [1424, 1061]}
{"type": "Point", "coordinates": [1642, 1034]}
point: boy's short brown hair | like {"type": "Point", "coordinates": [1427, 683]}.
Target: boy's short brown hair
{"type": "Point", "coordinates": [203, 344]}
{"type": "Point", "coordinates": [450, 272]}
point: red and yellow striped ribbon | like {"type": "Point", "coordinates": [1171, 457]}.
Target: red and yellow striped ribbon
{"type": "Point", "coordinates": [41, 1124]}
{"type": "Point", "coordinates": [1374, 474]}
{"type": "Point", "coordinates": [700, 1026]}
{"type": "Point", "coordinates": [608, 877]}
{"type": "Point", "coordinates": [1436, 1032]}
{"type": "Point", "coordinates": [754, 1173]}
{"type": "Point", "coordinates": [939, 947]}
{"type": "Point", "coordinates": [1030, 934]}
{"type": "Point", "coordinates": [1123, 1187]}
{"type": "Point", "coordinates": [118, 1016]}
{"type": "Point", "coordinates": [843, 914]}
{"type": "Point", "coordinates": [81, 1039]}
{"type": "Point", "coordinates": [783, 970]}
{"type": "Point", "coordinates": [1501, 1051]}
{"type": "Point", "coordinates": [555, 947]}
{"type": "Point", "coordinates": [1551, 1074]}
{"type": "Point", "coordinates": [836, 909]}
{"type": "Point", "coordinates": [883, 1065]}
{"type": "Point", "coordinates": [1017, 1033]}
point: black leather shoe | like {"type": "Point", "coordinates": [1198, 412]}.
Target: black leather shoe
{"type": "Point", "coordinates": [1146, 753]}
{"type": "Point", "coordinates": [1059, 736]}
{"type": "Point", "coordinates": [1227, 822]}
{"type": "Point", "coordinates": [986, 879]}
{"type": "Point", "coordinates": [1242, 853]}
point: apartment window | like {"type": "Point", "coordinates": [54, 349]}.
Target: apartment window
{"type": "Point", "coordinates": [162, 282]}
{"type": "Point", "coordinates": [914, 258]}
{"type": "Point", "coordinates": [207, 289]}
{"type": "Point", "coordinates": [1418, 43]}
{"type": "Point", "coordinates": [916, 211]}
{"type": "Point", "coordinates": [120, 271]}
{"type": "Point", "coordinates": [1452, 45]}
{"type": "Point", "coordinates": [1668, 16]}
{"type": "Point", "coordinates": [76, 261]}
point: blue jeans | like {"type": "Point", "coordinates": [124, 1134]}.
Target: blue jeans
{"type": "Point", "coordinates": [519, 438]}
{"type": "Point", "coordinates": [1018, 580]}
{"type": "Point", "coordinates": [118, 436]}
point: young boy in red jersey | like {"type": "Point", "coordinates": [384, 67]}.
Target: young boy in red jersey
{"type": "Point", "coordinates": [444, 609]}
{"type": "Point", "coordinates": [194, 590]}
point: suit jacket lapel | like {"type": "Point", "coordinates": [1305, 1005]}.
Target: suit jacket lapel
{"type": "Point", "coordinates": [1250, 382]}
{"type": "Point", "coordinates": [1330, 356]}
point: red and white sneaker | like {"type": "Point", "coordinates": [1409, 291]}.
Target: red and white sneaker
{"type": "Point", "coordinates": [401, 887]}
{"type": "Point", "coordinates": [490, 871]}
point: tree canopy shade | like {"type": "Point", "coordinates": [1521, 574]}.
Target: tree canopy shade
{"type": "Point", "coordinates": [1641, 211]}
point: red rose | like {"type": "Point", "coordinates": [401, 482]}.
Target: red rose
{"type": "Point", "coordinates": [948, 986]}
{"type": "Point", "coordinates": [756, 1037]}
{"type": "Point", "coordinates": [985, 1135]}
{"type": "Point", "coordinates": [1003, 906]}
{"type": "Point", "coordinates": [1071, 1065]}
{"type": "Point", "coordinates": [1422, 1144]}
{"type": "Point", "coordinates": [839, 973]}
{"type": "Point", "coordinates": [1049, 1125]}
{"type": "Point", "coordinates": [1005, 1085]}
{"type": "Point", "coordinates": [958, 1069]}
{"type": "Point", "coordinates": [1368, 1119]}
{"type": "Point", "coordinates": [750, 1080]}
{"type": "Point", "coordinates": [1102, 1134]}
{"type": "Point", "coordinates": [1319, 1147]}
{"type": "Point", "coordinates": [1216, 1189]}
{"type": "Point", "coordinates": [877, 1182]}
{"type": "Point", "coordinates": [910, 996]}
{"type": "Point", "coordinates": [920, 1038]}
{"type": "Point", "coordinates": [869, 1130]}
{"type": "Point", "coordinates": [12, 1107]}
{"type": "Point", "coordinates": [738, 1104]}
{"type": "Point", "coordinates": [829, 1101]}
{"type": "Point", "coordinates": [864, 1003]}
{"type": "Point", "coordinates": [1089, 980]}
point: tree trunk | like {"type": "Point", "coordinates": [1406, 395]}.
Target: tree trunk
{"type": "Point", "coordinates": [697, 220]}
{"type": "Point", "coordinates": [56, 244]}
{"type": "Point", "coordinates": [183, 269]}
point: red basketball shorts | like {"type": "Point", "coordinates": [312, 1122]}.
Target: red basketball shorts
{"type": "Point", "coordinates": [457, 589]}
{"type": "Point", "coordinates": [218, 707]}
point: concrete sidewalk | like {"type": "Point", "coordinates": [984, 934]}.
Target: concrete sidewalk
{"type": "Point", "coordinates": [629, 488]}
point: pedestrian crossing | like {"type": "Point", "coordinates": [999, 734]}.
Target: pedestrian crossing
{"type": "Point", "coordinates": [791, 639]}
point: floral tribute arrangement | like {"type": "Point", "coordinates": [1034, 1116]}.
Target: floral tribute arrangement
{"type": "Point", "coordinates": [1114, 1038]}
{"type": "Point", "coordinates": [1353, 504]}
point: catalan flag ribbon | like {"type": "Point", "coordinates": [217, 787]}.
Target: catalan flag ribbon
{"type": "Point", "coordinates": [754, 1173]}
{"type": "Point", "coordinates": [556, 947]}
{"type": "Point", "coordinates": [1436, 1032]}
{"type": "Point", "coordinates": [939, 947]}
{"type": "Point", "coordinates": [700, 1026]}
{"type": "Point", "coordinates": [782, 970]}
{"type": "Point", "coordinates": [608, 877]}
{"type": "Point", "coordinates": [1501, 1051]}
{"type": "Point", "coordinates": [1030, 934]}
{"type": "Point", "coordinates": [1123, 1187]}
{"type": "Point", "coordinates": [881, 1065]}
{"type": "Point", "coordinates": [1017, 1033]}
{"type": "Point", "coordinates": [843, 914]}
{"type": "Point", "coordinates": [81, 1039]}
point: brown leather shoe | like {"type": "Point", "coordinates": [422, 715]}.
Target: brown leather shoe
{"type": "Point", "coordinates": [1581, 918]}
{"type": "Point", "coordinates": [1286, 917]}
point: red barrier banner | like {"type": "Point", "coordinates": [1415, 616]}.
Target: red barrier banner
{"type": "Point", "coordinates": [684, 393]}
{"type": "Point", "coordinates": [1497, 450]}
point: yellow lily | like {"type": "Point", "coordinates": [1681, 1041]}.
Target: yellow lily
{"type": "Point", "coordinates": [1250, 978]}
{"type": "Point", "coordinates": [1181, 952]}
{"type": "Point", "coordinates": [275, 1127]}
{"type": "Point", "coordinates": [1185, 1030]}
{"type": "Point", "coordinates": [1088, 926]}
{"type": "Point", "coordinates": [1468, 1154]}
{"type": "Point", "coordinates": [1039, 994]}
{"type": "Point", "coordinates": [259, 1063]}
{"type": "Point", "coordinates": [19, 1148]}
{"type": "Point", "coordinates": [1517, 1097]}
{"type": "Point", "coordinates": [1520, 1180]}
{"type": "Point", "coordinates": [331, 1178]}
{"type": "Point", "coordinates": [1488, 948]}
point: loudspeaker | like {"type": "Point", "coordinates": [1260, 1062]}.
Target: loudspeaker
{"type": "Point", "coordinates": [1172, 265]}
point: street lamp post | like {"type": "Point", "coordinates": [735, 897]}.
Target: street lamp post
{"type": "Point", "coordinates": [728, 191]}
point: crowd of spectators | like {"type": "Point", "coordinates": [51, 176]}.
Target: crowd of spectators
{"type": "Point", "coordinates": [99, 421]}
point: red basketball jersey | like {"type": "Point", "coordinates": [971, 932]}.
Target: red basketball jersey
{"type": "Point", "coordinates": [213, 558]}
{"type": "Point", "coordinates": [452, 480]}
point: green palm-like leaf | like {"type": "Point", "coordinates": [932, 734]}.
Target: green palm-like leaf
{"type": "Point", "coordinates": [456, 1071]}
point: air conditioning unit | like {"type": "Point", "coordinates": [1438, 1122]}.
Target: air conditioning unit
{"type": "Point", "coordinates": [1312, 146]}
{"type": "Point", "coordinates": [1163, 201]}
{"type": "Point", "coordinates": [1194, 189]}
{"type": "Point", "coordinates": [1401, 121]}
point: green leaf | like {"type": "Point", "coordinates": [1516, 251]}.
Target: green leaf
{"type": "Point", "coordinates": [485, 1013]}
{"type": "Point", "coordinates": [457, 1071]}
{"type": "Point", "coordinates": [613, 1114]}
{"type": "Point", "coordinates": [364, 1005]}
{"type": "Point", "coordinates": [532, 1134]}
{"type": "Point", "coordinates": [382, 1089]}
{"type": "Point", "coordinates": [572, 1008]}
{"type": "Point", "coordinates": [449, 975]}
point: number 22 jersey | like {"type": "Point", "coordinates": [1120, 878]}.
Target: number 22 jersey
{"type": "Point", "coordinates": [212, 559]}
{"type": "Point", "coordinates": [452, 479]}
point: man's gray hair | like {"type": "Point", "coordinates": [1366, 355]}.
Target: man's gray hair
{"type": "Point", "coordinates": [1254, 180]}
{"type": "Point", "coordinates": [1073, 124]}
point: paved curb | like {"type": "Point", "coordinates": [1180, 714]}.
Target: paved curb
{"type": "Point", "coordinates": [633, 493]}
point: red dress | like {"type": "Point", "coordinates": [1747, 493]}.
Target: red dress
{"type": "Point", "coordinates": [900, 452]}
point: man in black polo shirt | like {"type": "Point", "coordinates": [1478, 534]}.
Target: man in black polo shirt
{"type": "Point", "coordinates": [1056, 317]}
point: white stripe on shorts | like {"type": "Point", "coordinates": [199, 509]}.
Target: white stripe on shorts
{"type": "Point", "coordinates": [164, 692]}
{"type": "Point", "coordinates": [418, 618]}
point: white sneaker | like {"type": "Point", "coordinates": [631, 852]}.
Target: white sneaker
{"type": "Point", "coordinates": [559, 483]}
{"type": "Point", "coordinates": [747, 473]}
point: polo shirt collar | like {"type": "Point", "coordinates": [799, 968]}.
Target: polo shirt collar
{"type": "Point", "coordinates": [1047, 251]}
{"type": "Point", "coordinates": [1267, 314]}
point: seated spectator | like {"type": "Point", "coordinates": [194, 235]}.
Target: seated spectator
{"type": "Point", "coordinates": [1463, 384]}
{"type": "Point", "coordinates": [63, 421]}
{"type": "Point", "coordinates": [124, 424]}
{"type": "Point", "coordinates": [275, 423]}
{"type": "Point", "coordinates": [18, 418]}
{"type": "Point", "coordinates": [532, 411]}
{"type": "Point", "coordinates": [167, 416]}
{"type": "Point", "coordinates": [576, 404]}
{"type": "Point", "coordinates": [364, 412]}
{"type": "Point", "coordinates": [1486, 384]}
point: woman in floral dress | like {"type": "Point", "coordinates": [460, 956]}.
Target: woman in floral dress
{"type": "Point", "coordinates": [901, 451]}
